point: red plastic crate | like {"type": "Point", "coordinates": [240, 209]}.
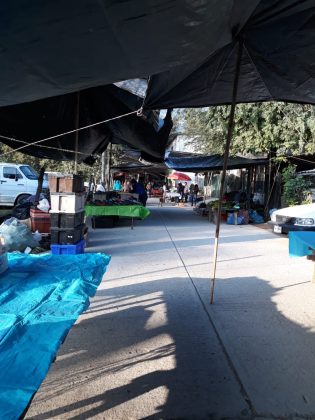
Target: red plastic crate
{"type": "Point", "coordinates": [40, 221]}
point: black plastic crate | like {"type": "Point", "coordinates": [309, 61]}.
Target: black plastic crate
{"type": "Point", "coordinates": [104, 221]}
{"type": "Point", "coordinates": [67, 236]}
{"type": "Point", "coordinates": [66, 220]}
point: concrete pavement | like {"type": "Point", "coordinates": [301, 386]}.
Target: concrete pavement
{"type": "Point", "coordinates": [151, 346]}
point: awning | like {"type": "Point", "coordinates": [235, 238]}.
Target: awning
{"type": "Point", "coordinates": [205, 163]}
{"type": "Point", "coordinates": [277, 61]}
{"type": "Point", "coordinates": [187, 51]}
{"type": "Point", "coordinates": [50, 49]}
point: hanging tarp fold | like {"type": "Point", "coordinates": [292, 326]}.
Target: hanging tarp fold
{"type": "Point", "coordinates": [26, 123]}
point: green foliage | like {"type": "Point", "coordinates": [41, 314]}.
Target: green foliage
{"type": "Point", "coordinates": [295, 188]}
{"type": "Point", "coordinates": [259, 128]}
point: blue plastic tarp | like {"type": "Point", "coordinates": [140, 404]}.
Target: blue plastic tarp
{"type": "Point", "coordinates": [41, 296]}
{"type": "Point", "coordinates": [301, 243]}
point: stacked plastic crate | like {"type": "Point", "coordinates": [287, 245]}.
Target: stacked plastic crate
{"type": "Point", "coordinates": [67, 214]}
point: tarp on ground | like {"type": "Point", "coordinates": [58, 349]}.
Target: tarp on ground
{"type": "Point", "coordinates": [188, 162]}
{"type": "Point", "coordinates": [41, 297]}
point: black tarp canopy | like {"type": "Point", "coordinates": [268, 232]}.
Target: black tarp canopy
{"type": "Point", "coordinates": [277, 62]}
{"type": "Point", "coordinates": [47, 117]}
{"type": "Point", "coordinates": [131, 161]}
{"type": "Point", "coordinates": [141, 168]}
{"type": "Point", "coordinates": [49, 49]}
{"type": "Point", "coordinates": [187, 51]}
{"type": "Point", "coordinates": [53, 48]}
{"type": "Point", "coordinates": [189, 162]}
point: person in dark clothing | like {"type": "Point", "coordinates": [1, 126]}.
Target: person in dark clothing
{"type": "Point", "coordinates": [138, 188]}
{"type": "Point", "coordinates": [180, 190]}
{"type": "Point", "coordinates": [195, 194]}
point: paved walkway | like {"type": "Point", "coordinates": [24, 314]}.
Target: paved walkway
{"type": "Point", "coordinates": [151, 347]}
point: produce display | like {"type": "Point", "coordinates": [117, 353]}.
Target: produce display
{"type": "Point", "coordinates": [112, 198]}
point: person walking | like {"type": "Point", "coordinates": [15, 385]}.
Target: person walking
{"type": "Point", "coordinates": [180, 190]}
{"type": "Point", "coordinates": [149, 188]}
{"type": "Point", "coordinates": [164, 188]}
{"type": "Point", "coordinates": [186, 192]}
{"type": "Point", "coordinates": [191, 194]}
{"type": "Point", "coordinates": [195, 195]}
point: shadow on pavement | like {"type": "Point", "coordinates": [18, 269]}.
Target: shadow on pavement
{"type": "Point", "coordinates": [240, 358]}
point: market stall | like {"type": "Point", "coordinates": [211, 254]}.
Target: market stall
{"type": "Point", "coordinates": [131, 211]}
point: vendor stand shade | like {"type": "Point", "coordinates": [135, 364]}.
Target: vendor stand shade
{"type": "Point", "coordinates": [179, 176]}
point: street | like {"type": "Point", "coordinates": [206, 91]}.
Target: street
{"type": "Point", "coordinates": [151, 346]}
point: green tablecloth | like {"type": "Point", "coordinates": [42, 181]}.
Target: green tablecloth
{"type": "Point", "coordinates": [123, 211]}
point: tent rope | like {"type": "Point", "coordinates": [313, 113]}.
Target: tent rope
{"type": "Point", "coordinates": [68, 132]}
{"type": "Point", "coordinates": [43, 146]}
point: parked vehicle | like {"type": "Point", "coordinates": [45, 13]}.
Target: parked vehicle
{"type": "Point", "coordinates": [294, 218]}
{"type": "Point", "coordinates": [172, 195]}
{"type": "Point", "coordinates": [17, 182]}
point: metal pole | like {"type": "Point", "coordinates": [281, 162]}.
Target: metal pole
{"type": "Point", "coordinates": [77, 134]}
{"type": "Point", "coordinates": [110, 161]}
{"type": "Point", "coordinates": [225, 161]}
{"type": "Point", "coordinates": [103, 162]}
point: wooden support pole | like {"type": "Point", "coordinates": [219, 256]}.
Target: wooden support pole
{"type": "Point", "coordinates": [39, 185]}
{"type": "Point", "coordinates": [225, 162]}
{"type": "Point", "coordinates": [77, 122]}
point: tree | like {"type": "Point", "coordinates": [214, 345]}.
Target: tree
{"type": "Point", "coordinates": [295, 188]}
{"type": "Point", "coordinates": [259, 128]}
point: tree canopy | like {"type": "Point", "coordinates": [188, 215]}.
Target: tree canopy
{"type": "Point", "coordinates": [259, 128]}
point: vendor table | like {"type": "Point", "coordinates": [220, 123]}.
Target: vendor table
{"type": "Point", "coordinates": [131, 211]}
{"type": "Point", "coordinates": [41, 297]}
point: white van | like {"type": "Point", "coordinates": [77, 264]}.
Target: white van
{"type": "Point", "coordinates": [17, 182]}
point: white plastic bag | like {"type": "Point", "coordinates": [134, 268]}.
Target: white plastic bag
{"type": "Point", "coordinates": [17, 236]}
{"type": "Point", "coordinates": [43, 205]}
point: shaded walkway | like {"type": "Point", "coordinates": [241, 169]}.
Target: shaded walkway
{"type": "Point", "coordinates": [150, 346]}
